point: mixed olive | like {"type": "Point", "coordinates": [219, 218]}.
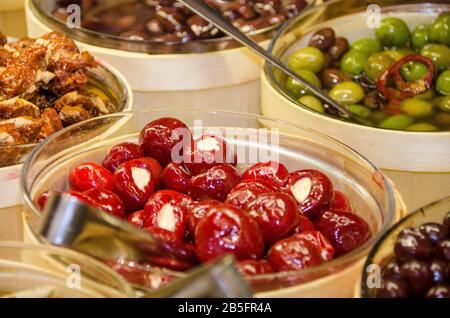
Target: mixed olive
{"type": "Point", "coordinates": [271, 219]}
{"type": "Point", "coordinates": [400, 79]}
{"type": "Point", "coordinates": [421, 266]}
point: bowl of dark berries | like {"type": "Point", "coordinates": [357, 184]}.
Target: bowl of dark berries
{"type": "Point", "coordinates": [297, 209]}
{"type": "Point", "coordinates": [412, 260]}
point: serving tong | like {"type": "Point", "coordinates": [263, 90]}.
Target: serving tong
{"type": "Point", "coordinates": [69, 222]}
{"type": "Point", "coordinates": [211, 15]}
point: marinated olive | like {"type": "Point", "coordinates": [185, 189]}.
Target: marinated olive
{"type": "Point", "coordinates": [393, 32]}
{"type": "Point", "coordinates": [413, 71]}
{"type": "Point", "coordinates": [378, 116]}
{"type": "Point", "coordinates": [323, 39]}
{"type": "Point", "coordinates": [440, 29]}
{"type": "Point", "coordinates": [420, 36]}
{"type": "Point", "coordinates": [297, 88]}
{"type": "Point", "coordinates": [417, 108]}
{"type": "Point", "coordinates": [347, 93]}
{"type": "Point", "coordinates": [332, 76]}
{"type": "Point", "coordinates": [312, 102]}
{"type": "Point", "coordinates": [442, 118]}
{"type": "Point", "coordinates": [443, 83]}
{"type": "Point", "coordinates": [393, 54]}
{"type": "Point", "coordinates": [439, 54]}
{"type": "Point", "coordinates": [339, 48]}
{"type": "Point", "coordinates": [360, 110]}
{"type": "Point", "coordinates": [444, 104]}
{"type": "Point", "coordinates": [377, 64]}
{"type": "Point", "coordinates": [429, 94]}
{"type": "Point", "coordinates": [368, 46]}
{"type": "Point", "coordinates": [373, 100]}
{"type": "Point", "coordinates": [307, 58]}
{"type": "Point", "coordinates": [422, 127]}
{"type": "Point", "coordinates": [397, 122]}
{"type": "Point", "coordinates": [354, 62]}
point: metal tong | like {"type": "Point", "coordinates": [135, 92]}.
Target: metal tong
{"type": "Point", "coordinates": [69, 222]}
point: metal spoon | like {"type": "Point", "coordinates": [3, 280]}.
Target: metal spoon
{"type": "Point", "coordinates": [71, 223]}
{"type": "Point", "coordinates": [211, 15]}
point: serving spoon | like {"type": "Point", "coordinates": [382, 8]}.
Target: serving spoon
{"type": "Point", "coordinates": [71, 223]}
{"type": "Point", "coordinates": [211, 15]}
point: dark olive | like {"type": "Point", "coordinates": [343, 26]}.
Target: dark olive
{"type": "Point", "coordinates": [294, 8]}
{"type": "Point", "coordinates": [447, 220]}
{"type": "Point", "coordinates": [391, 271]}
{"type": "Point", "coordinates": [392, 289]}
{"type": "Point", "coordinates": [333, 76]}
{"type": "Point", "coordinates": [439, 271]}
{"type": "Point", "coordinates": [439, 291]}
{"type": "Point", "coordinates": [339, 48]}
{"type": "Point", "coordinates": [412, 244]}
{"type": "Point", "coordinates": [154, 27]}
{"type": "Point", "coordinates": [373, 100]}
{"type": "Point", "coordinates": [443, 250]}
{"type": "Point", "coordinates": [323, 39]}
{"type": "Point", "coordinates": [434, 232]}
{"type": "Point", "coordinates": [417, 275]}
{"type": "Point", "coordinates": [171, 19]}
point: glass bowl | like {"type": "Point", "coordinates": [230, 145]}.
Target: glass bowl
{"type": "Point", "coordinates": [383, 251]}
{"type": "Point", "coordinates": [28, 271]}
{"type": "Point", "coordinates": [255, 138]}
{"type": "Point", "coordinates": [44, 9]}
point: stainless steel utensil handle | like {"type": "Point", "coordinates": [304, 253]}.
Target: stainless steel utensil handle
{"type": "Point", "coordinates": [208, 13]}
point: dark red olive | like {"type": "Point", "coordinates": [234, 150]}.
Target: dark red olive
{"type": "Point", "coordinates": [411, 244]}
{"type": "Point", "coordinates": [434, 232]}
{"type": "Point", "coordinates": [443, 250]}
{"type": "Point", "coordinates": [333, 76]}
{"type": "Point", "coordinates": [391, 271]}
{"type": "Point", "coordinates": [439, 270]}
{"type": "Point", "coordinates": [446, 221]}
{"type": "Point", "coordinates": [323, 39]}
{"type": "Point", "coordinates": [439, 291]}
{"type": "Point", "coordinates": [417, 275]}
{"type": "Point", "coordinates": [392, 289]}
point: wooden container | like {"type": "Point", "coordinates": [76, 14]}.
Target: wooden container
{"type": "Point", "coordinates": [223, 76]}
{"type": "Point", "coordinates": [417, 162]}
{"type": "Point", "coordinates": [12, 18]}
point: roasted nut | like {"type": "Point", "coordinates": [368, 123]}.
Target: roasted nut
{"type": "Point", "coordinates": [17, 107]}
{"type": "Point", "coordinates": [73, 114]}
{"type": "Point", "coordinates": [51, 123]}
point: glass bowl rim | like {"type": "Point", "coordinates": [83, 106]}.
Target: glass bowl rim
{"type": "Point", "coordinates": [382, 239]}
{"type": "Point", "coordinates": [125, 287]}
{"type": "Point", "coordinates": [345, 259]}
{"type": "Point", "coordinates": [94, 36]}
{"type": "Point", "coordinates": [268, 69]}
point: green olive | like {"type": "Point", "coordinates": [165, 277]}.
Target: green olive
{"type": "Point", "coordinates": [366, 45]}
{"type": "Point", "coordinates": [377, 64]}
{"type": "Point", "coordinates": [353, 62]}
{"type": "Point", "coordinates": [297, 89]}
{"type": "Point", "coordinates": [440, 29]}
{"type": "Point", "coordinates": [422, 127]}
{"type": "Point", "coordinates": [443, 83]}
{"type": "Point", "coordinates": [439, 54]}
{"type": "Point", "coordinates": [420, 36]}
{"type": "Point", "coordinates": [429, 94]}
{"type": "Point", "coordinates": [347, 93]}
{"type": "Point", "coordinates": [444, 104]}
{"type": "Point", "coordinates": [307, 58]}
{"type": "Point", "coordinates": [393, 32]}
{"type": "Point", "coordinates": [397, 122]}
{"type": "Point", "coordinates": [417, 108]}
{"type": "Point", "coordinates": [413, 71]}
{"type": "Point", "coordinates": [360, 110]}
{"type": "Point", "coordinates": [393, 54]}
{"type": "Point", "coordinates": [378, 116]}
{"type": "Point", "coordinates": [312, 102]}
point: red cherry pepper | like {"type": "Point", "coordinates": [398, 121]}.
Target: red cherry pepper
{"type": "Point", "coordinates": [254, 267]}
{"type": "Point", "coordinates": [88, 175]}
{"type": "Point", "coordinates": [106, 201]}
{"type": "Point", "coordinates": [405, 89]}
